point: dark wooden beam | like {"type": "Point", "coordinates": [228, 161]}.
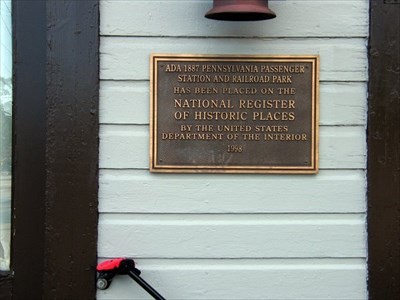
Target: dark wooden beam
{"type": "Point", "coordinates": [71, 149]}
{"type": "Point", "coordinates": [55, 144]}
{"type": "Point", "coordinates": [384, 151]}
{"type": "Point", "coordinates": [29, 139]}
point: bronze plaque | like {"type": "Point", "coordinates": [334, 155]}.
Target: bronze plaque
{"type": "Point", "coordinates": [234, 114]}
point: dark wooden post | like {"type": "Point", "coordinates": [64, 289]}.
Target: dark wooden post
{"type": "Point", "coordinates": [55, 144]}
{"type": "Point", "coordinates": [71, 149]}
{"type": "Point", "coordinates": [384, 151]}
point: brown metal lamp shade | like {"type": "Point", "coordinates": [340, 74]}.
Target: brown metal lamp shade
{"type": "Point", "coordinates": [240, 10]}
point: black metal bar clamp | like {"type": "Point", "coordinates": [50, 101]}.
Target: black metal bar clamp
{"type": "Point", "coordinates": [122, 266]}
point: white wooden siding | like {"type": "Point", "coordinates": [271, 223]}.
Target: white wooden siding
{"type": "Point", "coordinates": [301, 18]}
{"type": "Point", "coordinates": [126, 146]}
{"type": "Point", "coordinates": [341, 59]}
{"type": "Point", "coordinates": [137, 191]}
{"type": "Point", "coordinates": [228, 236]}
{"type": "Point", "coordinates": [230, 279]}
{"type": "Point", "coordinates": [127, 102]}
{"type": "Point", "coordinates": [232, 236]}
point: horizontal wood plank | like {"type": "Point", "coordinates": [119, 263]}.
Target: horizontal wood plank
{"type": "Point", "coordinates": [294, 279]}
{"type": "Point", "coordinates": [294, 19]}
{"type": "Point", "coordinates": [127, 146]}
{"type": "Point", "coordinates": [124, 58]}
{"type": "Point", "coordinates": [127, 102]}
{"type": "Point", "coordinates": [231, 236]}
{"type": "Point", "coordinates": [128, 191]}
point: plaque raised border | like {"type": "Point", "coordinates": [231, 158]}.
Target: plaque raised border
{"type": "Point", "coordinates": [186, 131]}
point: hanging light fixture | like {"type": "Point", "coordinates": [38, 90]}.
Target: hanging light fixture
{"type": "Point", "coordinates": [240, 10]}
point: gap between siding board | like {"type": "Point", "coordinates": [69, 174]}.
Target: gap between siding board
{"type": "Point", "coordinates": [249, 174]}
{"type": "Point", "coordinates": [147, 124]}
{"type": "Point", "coordinates": [148, 80]}
{"type": "Point", "coordinates": [233, 37]}
{"type": "Point", "coordinates": [316, 214]}
{"type": "Point", "coordinates": [277, 262]}
{"type": "Point", "coordinates": [231, 219]}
